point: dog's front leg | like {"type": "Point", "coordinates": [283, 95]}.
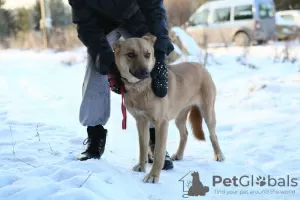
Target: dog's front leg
{"type": "Point", "coordinates": [161, 134]}
{"type": "Point", "coordinates": [143, 131]}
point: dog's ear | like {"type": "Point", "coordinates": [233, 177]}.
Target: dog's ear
{"type": "Point", "coordinates": [150, 38]}
{"type": "Point", "coordinates": [117, 46]}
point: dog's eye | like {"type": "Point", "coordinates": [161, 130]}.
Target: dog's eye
{"type": "Point", "coordinates": [147, 55]}
{"type": "Point", "coordinates": [131, 55]}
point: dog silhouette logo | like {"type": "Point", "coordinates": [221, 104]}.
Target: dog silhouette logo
{"type": "Point", "coordinates": [192, 186]}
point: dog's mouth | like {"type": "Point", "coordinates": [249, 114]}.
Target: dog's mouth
{"type": "Point", "coordinates": [140, 73]}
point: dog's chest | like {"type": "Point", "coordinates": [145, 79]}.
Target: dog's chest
{"type": "Point", "coordinates": [138, 105]}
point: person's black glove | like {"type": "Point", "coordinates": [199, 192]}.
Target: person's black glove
{"type": "Point", "coordinates": [105, 65]}
{"type": "Point", "coordinates": [105, 62]}
{"type": "Point", "coordinates": [159, 75]}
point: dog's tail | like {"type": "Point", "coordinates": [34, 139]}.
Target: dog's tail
{"type": "Point", "coordinates": [195, 118]}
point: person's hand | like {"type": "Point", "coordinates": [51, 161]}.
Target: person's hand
{"type": "Point", "coordinates": [105, 62]}
{"type": "Point", "coordinates": [159, 76]}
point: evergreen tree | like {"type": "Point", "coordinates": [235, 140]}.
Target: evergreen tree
{"type": "Point", "coordinates": [59, 13]}
{"type": "Point", "coordinates": [36, 15]}
{"type": "Point", "coordinates": [23, 19]}
{"type": "Point", "coordinates": [8, 25]}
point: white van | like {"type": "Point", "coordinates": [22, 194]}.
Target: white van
{"type": "Point", "coordinates": [239, 21]}
{"type": "Point", "coordinates": [290, 16]}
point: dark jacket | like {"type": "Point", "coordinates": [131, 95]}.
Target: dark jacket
{"type": "Point", "coordinates": [96, 18]}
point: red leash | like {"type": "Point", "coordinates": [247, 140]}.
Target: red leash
{"type": "Point", "coordinates": [123, 108]}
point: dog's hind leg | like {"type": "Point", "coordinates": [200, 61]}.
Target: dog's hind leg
{"type": "Point", "coordinates": [208, 113]}
{"type": "Point", "coordinates": [143, 131]}
{"type": "Point", "coordinates": [207, 108]}
{"type": "Point", "coordinates": [180, 122]}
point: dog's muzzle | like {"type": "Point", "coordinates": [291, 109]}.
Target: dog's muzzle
{"type": "Point", "coordinates": [141, 73]}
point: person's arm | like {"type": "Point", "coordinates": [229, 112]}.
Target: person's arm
{"type": "Point", "coordinates": [90, 34]}
{"type": "Point", "coordinates": [156, 19]}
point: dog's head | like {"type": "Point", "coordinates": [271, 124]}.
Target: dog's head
{"type": "Point", "coordinates": [135, 57]}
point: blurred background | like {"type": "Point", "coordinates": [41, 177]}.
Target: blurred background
{"type": "Point", "coordinates": [38, 24]}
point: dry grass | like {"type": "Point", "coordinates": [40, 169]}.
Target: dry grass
{"type": "Point", "coordinates": [59, 39]}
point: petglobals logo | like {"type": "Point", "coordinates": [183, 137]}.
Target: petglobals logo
{"type": "Point", "coordinates": [192, 185]}
{"type": "Point", "coordinates": [251, 181]}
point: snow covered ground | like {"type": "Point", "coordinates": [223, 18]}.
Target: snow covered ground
{"type": "Point", "coordinates": [258, 123]}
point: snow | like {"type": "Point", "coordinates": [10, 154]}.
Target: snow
{"type": "Point", "coordinates": [258, 112]}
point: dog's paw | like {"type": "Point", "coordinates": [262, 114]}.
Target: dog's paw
{"type": "Point", "coordinates": [219, 157]}
{"type": "Point", "coordinates": [176, 157]}
{"type": "Point", "coordinates": [151, 178]}
{"type": "Point", "coordinates": [139, 168]}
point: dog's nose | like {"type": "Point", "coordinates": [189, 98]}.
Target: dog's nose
{"type": "Point", "coordinates": [142, 73]}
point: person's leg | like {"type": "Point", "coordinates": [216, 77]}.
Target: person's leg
{"type": "Point", "coordinates": [168, 161]}
{"type": "Point", "coordinates": [95, 107]}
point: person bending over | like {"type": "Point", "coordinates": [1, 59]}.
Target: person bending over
{"type": "Point", "coordinates": [100, 23]}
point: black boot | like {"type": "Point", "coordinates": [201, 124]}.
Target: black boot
{"type": "Point", "coordinates": [95, 143]}
{"type": "Point", "coordinates": [168, 161]}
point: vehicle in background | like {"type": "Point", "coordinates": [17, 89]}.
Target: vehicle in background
{"type": "Point", "coordinates": [239, 21]}
{"type": "Point", "coordinates": [286, 28]}
{"type": "Point", "coordinates": [290, 16]}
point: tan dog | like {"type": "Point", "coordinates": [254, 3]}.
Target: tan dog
{"type": "Point", "coordinates": [190, 90]}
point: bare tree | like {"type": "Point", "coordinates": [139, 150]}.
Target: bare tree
{"type": "Point", "coordinates": [243, 59]}
{"type": "Point", "coordinates": [205, 46]}
{"type": "Point", "coordinates": [285, 54]}
{"type": "Point", "coordinates": [207, 57]}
